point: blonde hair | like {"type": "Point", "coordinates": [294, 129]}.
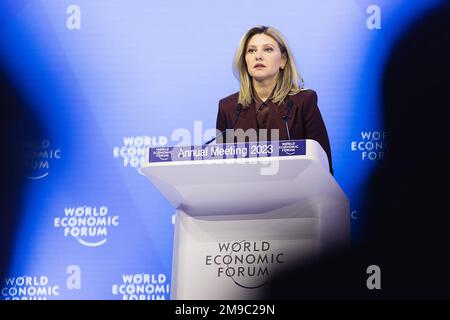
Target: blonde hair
{"type": "Point", "coordinates": [288, 77]}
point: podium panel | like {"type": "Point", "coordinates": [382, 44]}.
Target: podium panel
{"type": "Point", "coordinates": [239, 220]}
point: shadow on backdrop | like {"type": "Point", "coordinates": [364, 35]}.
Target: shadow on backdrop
{"type": "Point", "coordinates": [407, 224]}
{"type": "Point", "coordinates": [18, 126]}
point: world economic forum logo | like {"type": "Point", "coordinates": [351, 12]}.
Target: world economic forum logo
{"type": "Point", "coordinates": [39, 156]}
{"type": "Point", "coordinates": [90, 225]}
{"type": "Point", "coordinates": [39, 287]}
{"type": "Point", "coordinates": [134, 148]}
{"type": "Point", "coordinates": [142, 286]}
{"type": "Point", "coordinates": [249, 264]}
{"type": "Point", "coordinates": [28, 288]}
{"type": "Point", "coordinates": [372, 146]}
{"type": "Point", "coordinates": [162, 153]}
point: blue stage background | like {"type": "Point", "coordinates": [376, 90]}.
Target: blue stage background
{"type": "Point", "coordinates": [109, 78]}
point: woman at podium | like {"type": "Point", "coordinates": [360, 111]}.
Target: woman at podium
{"type": "Point", "coordinates": [270, 104]}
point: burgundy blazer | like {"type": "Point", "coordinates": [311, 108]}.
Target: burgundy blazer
{"type": "Point", "coordinates": [304, 121]}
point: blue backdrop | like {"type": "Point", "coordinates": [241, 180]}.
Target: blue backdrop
{"type": "Point", "coordinates": [109, 78]}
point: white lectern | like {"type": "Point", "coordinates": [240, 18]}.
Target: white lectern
{"type": "Point", "coordinates": [245, 211]}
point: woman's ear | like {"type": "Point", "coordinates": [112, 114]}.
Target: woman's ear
{"type": "Point", "coordinates": [283, 61]}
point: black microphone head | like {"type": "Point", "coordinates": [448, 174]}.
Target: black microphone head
{"type": "Point", "coordinates": [239, 107]}
{"type": "Point", "coordinates": [290, 104]}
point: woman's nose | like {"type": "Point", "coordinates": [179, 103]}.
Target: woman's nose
{"type": "Point", "coordinates": [258, 55]}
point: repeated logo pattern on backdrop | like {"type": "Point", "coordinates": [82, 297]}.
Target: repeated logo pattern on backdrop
{"type": "Point", "coordinates": [108, 80]}
{"type": "Point", "coordinates": [88, 225]}
{"type": "Point", "coordinates": [40, 155]}
{"type": "Point", "coordinates": [133, 150]}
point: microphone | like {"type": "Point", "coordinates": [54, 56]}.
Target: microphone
{"type": "Point", "coordinates": [239, 108]}
{"type": "Point", "coordinates": [290, 104]}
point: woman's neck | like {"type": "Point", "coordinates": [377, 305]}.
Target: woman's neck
{"type": "Point", "coordinates": [264, 88]}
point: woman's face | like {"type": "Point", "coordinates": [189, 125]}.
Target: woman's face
{"type": "Point", "coordinates": [264, 58]}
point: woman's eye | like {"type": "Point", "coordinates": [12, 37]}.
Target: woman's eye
{"type": "Point", "coordinates": [251, 50]}
{"type": "Point", "coordinates": [269, 49]}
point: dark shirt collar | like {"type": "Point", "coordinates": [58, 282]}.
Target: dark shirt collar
{"type": "Point", "coordinates": [259, 102]}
